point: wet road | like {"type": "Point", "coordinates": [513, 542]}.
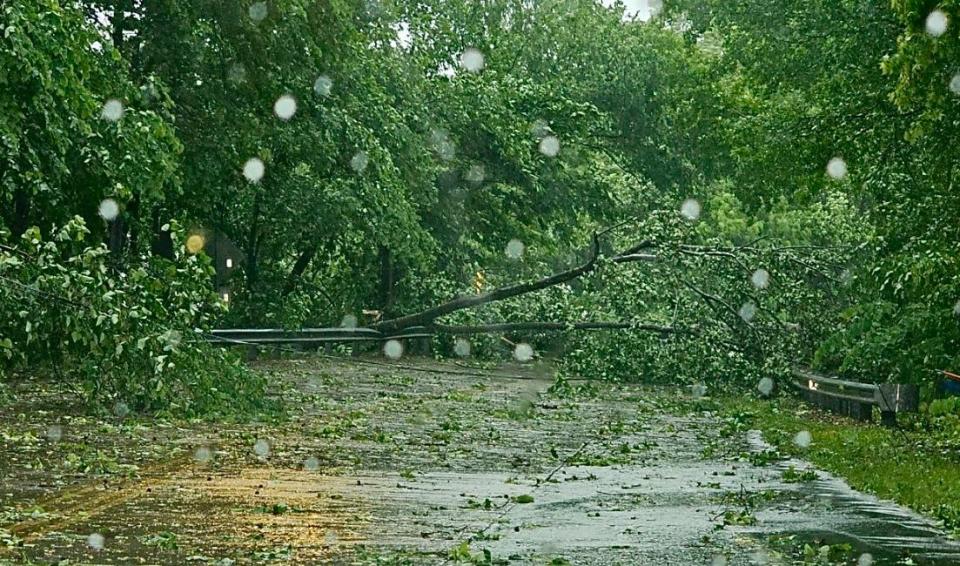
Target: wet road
{"type": "Point", "coordinates": [382, 465]}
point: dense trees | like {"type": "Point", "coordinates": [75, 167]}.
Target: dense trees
{"type": "Point", "coordinates": [407, 144]}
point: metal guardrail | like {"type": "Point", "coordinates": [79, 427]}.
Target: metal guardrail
{"type": "Point", "coordinates": [856, 399]}
{"type": "Point", "coordinates": [308, 336]}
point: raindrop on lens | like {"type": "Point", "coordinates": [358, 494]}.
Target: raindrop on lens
{"type": "Point", "coordinates": [719, 560]}
{"type": "Point", "coordinates": [202, 455]}
{"type": "Point", "coordinates": [760, 279]}
{"type": "Point", "coordinates": [393, 349]}
{"type": "Point", "coordinates": [936, 23]}
{"type": "Point", "coordinates": [475, 174]}
{"type": "Point", "coordinates": [349, 321]}
{"type": "Point", "coordinates": [195, 243]}
{"type": "Point", "coordinates": [550, 146]}
{"type": "Point", "coordinates": [253, 169]}
{"type": "Point", "coordinates": [803, 439]}
{"type": "Point", "coordinates": [956, 308]}
{"type": "Point", "coordinates": [837, 168]}
{"type": "Point", "coordinates": [257, 12]}
{"type": "Point", "coordinates": [261, 448]}
{"type": "Point", "coordinates": [120, 409]}
{"type": "Point", "coordinates": [515, 249]}
{"type": "Point", "coordinates": [442, 145]}
{"type": "Point", "coordinates": [748, 311]}
{"type": "Point", "coordinates": [955, 84]}
{"type": "Point", "coordinates": [311, 464]}
{"type": "Point", "coordinates": [54, 433]}
{"type": "Point", "coordinates": [472, 60]}
{"type": "Point", "coordinates": [540, 129]}
{"type": "Point", "coordinates": [323, 85]}
{"type": "Point", "coordinates": [330, 538]}
{"type": "Point", "coordinates": [285, 107]}
{"type": "Point", "coordinates": [462, 347]}
{"type": "Point", "coordinates": [109, 209]}
{"type": "Point", "coordinates": [359, 161]}
{"type": "Point", "coordinates": [523, 352]}
{"type": "Point", "coordinates": [690, 209]}
{"type": "Point", "coordinates": [95, 541]}
{"type": "Point", "coordinates": [765, 387]}
{"type": "Point", "coordinates": [866, 559]}
{"type": "Point", "coordinates": [698, 390]}
{"type": "Point", "coordinates": [112, 110]}
{"type": "Point", "coordinates": [237, 73]}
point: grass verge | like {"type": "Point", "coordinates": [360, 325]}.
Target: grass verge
{"type": "Point", "coordinates": [918, 467]}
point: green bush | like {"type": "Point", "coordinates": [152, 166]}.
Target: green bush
{"type": "Point", "coordinates": [129, 336]}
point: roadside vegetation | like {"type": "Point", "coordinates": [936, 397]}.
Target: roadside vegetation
{"type": "Point", "coordinates": [713, 193]}
{"type": "Point", "coordinates": [914, 465]}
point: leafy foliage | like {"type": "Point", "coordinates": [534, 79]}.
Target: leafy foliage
{"type": "Point", "coordinates": [128, 338]}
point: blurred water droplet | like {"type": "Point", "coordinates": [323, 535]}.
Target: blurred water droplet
{"type": "Point", "coordinates": [759, 557]}
{"type": "Point", "coordinates": [95, 541]}
{"type": "Point", "coordinates": [475, 174]}
{"type": "Point", "coordinates": [349, 321]}
{"type": "Point", "coordinates": [956, 308]}
{"type": "Point", "coordinates": [112, 110]}
{"type": "Point", "coordinates": [323, 85]}
{"type": "Point", "coordinates": [55, 433]}
{"type": "Point", "coordinates": [442, 145]}
{"type": "Point", "coordinates": [837, 168]}
{"type": "Point", "coordinates": [237, 73]}
{"type": "Point", "coordinates": [472, 60]}
{"type": "Point", "coordinates": [393, 349]}
{"type": "Point", "coordinates": [311, 464]}
{"type": "Point", "coordinates": [515, 249]}
{"type": "Point", "coordinates": [285, 107]}
{"type": "Point", "coordinates": [747, 311]}
{"type": "Point", "coordinates": [359, 161]}
{"type": "Point", "coordinates": [109, 209]}
{"type": "Point", "coordinates": [760, 279]}
{"type": "Point", "coordinates": [261, 448]}
{"type": "Point", "coordinates": [195, 243]}
{"type": "Point", "coordinates": [846, 277]}
{"type": "Point", "coordinates": [462, 347]}
{"type": "Point", "coordinates": [936, 23]}
{"type": "Point", "coordinates": [698, 390]}
{"type": "Point", "coordinates": [550, 146]}
{"type": "Point", "coordinates": [121, 409]}
{"type": "Point", "coordinates": [523, 352]}
{"type": "Point", "coordinates": [330, 538]}
{"type": "Point", "coordinates": [540, 129]}
{"type": "Point", "coordinates": [257, 12]}
{"type": "Point", "coordinates": [955, 84]}
{"type": "Point", "coordinates": [253, 169]}
{"type": "Point", "coordinates": [719, 560]}
{"type": "Point", "coordinates": [866, 559]}
{"type": "Point", "coordinates": [765, 387]}
{"type": "Point", "coordinates": [202, 455]}
{"type": "Point", "coordinates": [690, 209]}
{"type": "Point", "coordinates": [803, 439]}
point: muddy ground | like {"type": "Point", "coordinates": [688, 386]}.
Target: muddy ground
{"type": "Point", "coordinates": [380, 464]}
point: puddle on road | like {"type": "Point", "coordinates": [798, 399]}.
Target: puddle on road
{"type": "Point", "coordinates": [834, 512]}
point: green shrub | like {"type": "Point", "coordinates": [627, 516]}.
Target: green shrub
{"type": "Point", "coordinates": [128, 336]}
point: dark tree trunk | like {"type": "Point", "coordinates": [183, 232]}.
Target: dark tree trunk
{"type": "Point", "coordinates": [306, 256]}
{"type": "Point", "coordinates": [387, 281]}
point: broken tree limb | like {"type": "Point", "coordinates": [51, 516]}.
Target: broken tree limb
{"type": "Point", "coordinates": [550, 326]}
{"type": "Point", "coordinates": [426, 317]}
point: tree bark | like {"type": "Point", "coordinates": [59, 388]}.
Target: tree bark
{"type": "Point", "coordinates": [553, 326]}
{"type": "Point", "coordinates": [306, 256]}
{"type": "Point", "coordinates": [425, 317]}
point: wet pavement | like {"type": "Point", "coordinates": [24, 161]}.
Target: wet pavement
{"type": "Point", "coordinates": [387, 465]}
